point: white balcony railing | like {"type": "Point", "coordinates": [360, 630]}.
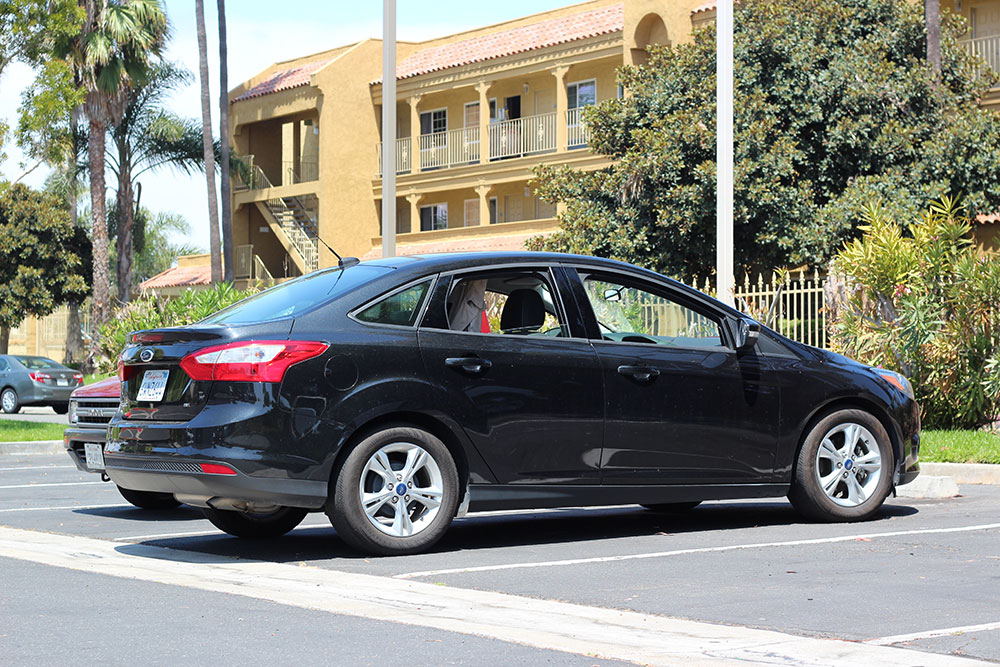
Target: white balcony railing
{"type": "Point", "coordinates": [402, 156]}
{"type": "Point", "coordinates": [449, 149]}
{"type": "Point", "coordinates": [577, 134]}
{"type": "Point", "coordinates": [987, 48]}
{"type": "Point", "coordinates": [523, 136]}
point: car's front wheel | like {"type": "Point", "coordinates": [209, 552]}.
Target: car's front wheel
{"type": "Point", "coordinates": [149, 500]}
{"type": "Point", "coordinates": [844, 468]}
{"type": "Point", "coordinates": [255, 524]}
{"type": "Point", "coordinates": [9, 402]}
{"type": "Point", "coordinates": [396, 492]}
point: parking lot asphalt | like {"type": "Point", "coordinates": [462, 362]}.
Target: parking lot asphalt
{"type": "Point", "coordinates": [36, 414]}
{"type": "Point", "coordinates": [924, 575]}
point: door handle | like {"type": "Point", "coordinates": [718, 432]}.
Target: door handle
{"type": "Point", "coordinates": [470, 365]}
{"type": "Point", "coordinates": [639, 373]}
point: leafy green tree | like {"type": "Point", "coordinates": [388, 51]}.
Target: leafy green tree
{"type": "Point", "coordinates": [835, 104]}
{"type": "Point", "coordinates": [147, 138]}
{"type": "Point", "coordinates": [112, 54]}
{"type": "Point", "coordinates": [44, 258]}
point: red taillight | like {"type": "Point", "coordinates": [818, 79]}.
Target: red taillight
{"type": "Point", "coordinates": [125, 372]}
{"type": "Point", "coordinates": [217, 469]}
{"type": "Point", "coordinates": [39, 377]}
{"type": "Point", "coordinates": [78, 377]}
{"type": "Point", "coordinates": [250, 361]}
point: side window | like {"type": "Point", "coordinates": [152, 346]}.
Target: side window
{"type": "Point", "coordinates": [511, 302]}
{"type": "Point", "coordinates": [400, 308]}
{"type": "Point", "coordinates": [3, 365]}
{"type": "Point", "coordinates": [631, 314]}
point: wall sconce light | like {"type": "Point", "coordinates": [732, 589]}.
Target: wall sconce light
{"type": "Point", "coordinates": [525, 88]}
{"type": "Point", "coordinates": [527, 192]}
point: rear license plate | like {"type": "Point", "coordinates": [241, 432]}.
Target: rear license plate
{"type": "Point", "coordinates": [154, 383]}
{"type": "Point", "coordinates": [95, 455]}
{"type": "Point", "coordinates": [62, 382]}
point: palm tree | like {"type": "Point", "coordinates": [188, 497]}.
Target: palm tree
{"type": "Point", "coordinates": [207, 144]}
{"type": "Point", "coordinates": [113, 53]}
{"type": "Point", "coordinates": [145, 139]}
{"type": "Point", "coordinates": [227, 214]}
{"type": "Point", "coordinates": [932, 17]}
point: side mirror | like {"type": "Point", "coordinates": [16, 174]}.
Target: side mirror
{"type": "Point", "coordinates": [747, 331]}
{"type": "Point", "coordinates": [612, 294]}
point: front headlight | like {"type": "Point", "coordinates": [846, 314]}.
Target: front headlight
{"type": "Point", "coordinates": [897, 380]}
{"type": "Point", "coordinates": [72, 411]}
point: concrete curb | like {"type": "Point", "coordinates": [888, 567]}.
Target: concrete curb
{"type": "Point", "coordinates": [36, 447]}
{"type": "Point", "coordinates": [963, 473]}
{"type": "Point", "coordinates": [928, 486]}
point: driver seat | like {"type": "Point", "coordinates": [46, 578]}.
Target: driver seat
{"type": "Point", "coordinates": [524, 311]}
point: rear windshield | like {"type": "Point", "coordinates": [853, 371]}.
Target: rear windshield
{"type": "Point", "coordinates": [37, 363]}
{"type": "Point", "coordinates": [296, 296]}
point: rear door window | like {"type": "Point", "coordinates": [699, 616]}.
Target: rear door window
{"type": "Point", "coordinates": [401, 308]}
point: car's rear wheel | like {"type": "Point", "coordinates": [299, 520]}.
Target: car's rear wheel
{"type": "Point", "coordinates": [255, 524]}
{"type": "Point", "coordinates": [149, 500]}
{"type": "Point", "coordinates": [61, 408]}
{"type": "Point", "coordinates": [673, 508]}
{"type": "Point", "coordinates": [396, 492]}
{"type": "Point", "coordinates": [9, 402]}
{"type": "Point", "coordinates": [844, 468]}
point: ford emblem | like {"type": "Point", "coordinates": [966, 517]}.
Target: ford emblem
{"type": "Point", "coordinates": [146, 354]}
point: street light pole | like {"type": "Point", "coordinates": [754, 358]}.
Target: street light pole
{"type": "Point", "coordinates": [724, 151]}
{"type": "Point", "coordinates": [388, 128]}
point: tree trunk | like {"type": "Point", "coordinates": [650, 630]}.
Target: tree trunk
{"type": "Point", "coordinates": [95, 150]}
{"type": "Point", "coordinates": [206, 137]}
{"type": "Point", "coordinates": [227, 214]}
{"type": "Point", "coordinates": [932, 18]}
{"type": "Point", "coordinates": [126, 222]}
{"type": "Point", "coordinates": [74, 336]}
{"type": "Point", "coordinates": [4, 339]}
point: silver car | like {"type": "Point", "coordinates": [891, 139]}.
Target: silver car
{"type": "Point", "coordinates": [28, 380]}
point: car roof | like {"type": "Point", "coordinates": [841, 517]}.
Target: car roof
{"type": "Point", "coordinates": [461, 260]}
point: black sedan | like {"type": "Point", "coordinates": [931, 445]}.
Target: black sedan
{"type": "Point", "coordinates": [399, 393]}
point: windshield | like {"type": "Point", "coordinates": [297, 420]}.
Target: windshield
{"type": "Point", "coordinates": [296, 296]}
{"type": "Point", "coordinates": [37, 363]}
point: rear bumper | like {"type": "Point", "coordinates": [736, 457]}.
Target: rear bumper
{"type": "Point", "coordinates": [46, 395]}
{"type": "Point", "coordinates": [201, 489]}
{"type": "Point", "coordinates": [74, 439]}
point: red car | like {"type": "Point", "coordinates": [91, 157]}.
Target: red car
{"type": "Point", "coordinates": [91, 407]}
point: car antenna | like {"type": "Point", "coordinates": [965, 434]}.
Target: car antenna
{"type": "Point", "coordinates": [342, 262]}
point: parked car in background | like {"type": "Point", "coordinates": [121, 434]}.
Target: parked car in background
{"type": "Point", "coordinates": [29, 380]}
{"type": "Point", "coordinates": [90, 410]}
{"type": "Point", "coordinates": [377, 393]}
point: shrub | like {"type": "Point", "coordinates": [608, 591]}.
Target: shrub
{"type": "Point", "coordinates": [150, 311]}
{"type": "Point", "coordinates": [922, 301]}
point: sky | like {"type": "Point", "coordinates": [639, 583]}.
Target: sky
{"type": "Point", "coordinates": [258, 36]}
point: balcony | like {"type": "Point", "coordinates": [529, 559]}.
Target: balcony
{"type": "Point", "coordinates": [987, 48]}
{"type": "Point", "coordinates": [522, 137]}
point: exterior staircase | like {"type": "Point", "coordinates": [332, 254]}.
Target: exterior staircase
{"type": "Point", "coordinates": [300, 227]}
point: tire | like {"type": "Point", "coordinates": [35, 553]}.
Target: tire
{"type": "Point", "coordinates": [259, 525]}
{"type": "Point", "coordinates": [844, 468]}
{"type": "Point", "coordinates": [61, 408]}
{"type": "Point", "coordinates": [673, 508]}
{"type": "Point", "coordinates": [149, 500]}
{"type": "Point", "coordinates": [9, 401]}
{"type": "Point", "coordinates": [410, 524]}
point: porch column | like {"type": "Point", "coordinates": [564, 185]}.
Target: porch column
{"type": "Point", "coordinates": [414, 133]}
{"type": "Point", "coordinates": [483, 191]}
{"type": "Point", "coordinates": [562, 108]}
{"type": "Point", "coordinates": [296, 153]}
{"type": "Point", "coordinates": [414, 200]}
{"type": "Point", "coordinates": [483, 87]}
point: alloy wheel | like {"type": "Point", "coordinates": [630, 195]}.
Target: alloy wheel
{"type": "Point", "coordinates": [401, 489]}
{"type": "Point", "coordinates": [848, 464]}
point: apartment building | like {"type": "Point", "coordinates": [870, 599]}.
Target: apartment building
{"type": "Point", "coordinates": [476, 111]}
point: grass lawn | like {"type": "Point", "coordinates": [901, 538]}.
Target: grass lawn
{"type": "Point", "coordinates": [94, 377]}
{"type": "Point", "coordinates": [22, 431]}
{"type": "Point", "coordinates": [959, 447]}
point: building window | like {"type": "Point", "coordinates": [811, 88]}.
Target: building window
{"type": "Point", "coordinates": [471, 212]}
{"type": "Point", "coordinates": [581, 94]}
{"type": "Point", "coordinates": [493, 210]}
{"type": "Point", "coordinates": [433, 217]}
{"type": "Point", "coordinates": [432, 122]}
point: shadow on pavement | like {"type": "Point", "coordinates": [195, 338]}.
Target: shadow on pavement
{"type": "Point", "coordinates": [130, 513]}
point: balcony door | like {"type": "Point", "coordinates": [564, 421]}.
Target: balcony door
{"type": "Point", "coordinates": [433, 138]}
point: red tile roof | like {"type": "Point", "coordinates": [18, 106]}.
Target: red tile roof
{"type": "Point", "coordinates": [560, 30]}
{"type": "Point", "coordinates": [180, 276]}
{"type": "Point", "coordinates": [988, 218]}
{"type": "Point", "coordinates": [490, 244]}
{"type": "Point", "coordinates": [704, 7]}
{"type": "Point", "coordinates": [284, 80]}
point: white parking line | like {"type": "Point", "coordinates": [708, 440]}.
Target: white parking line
{"type": "Point", "coordinates": [699, 550]}
{"type": "Point", "coordinates": [195, 533]}
{"type": "Point", "coordinates": [31, 486]}
{"type": "Point", "coordinates": [930, 634]}
{"type": "Point", "coordinates": [593, 631]}
{"type": "Point", "coordinates": [62, 507]}
{"type": "Point", "coordinates": [53, 467]}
